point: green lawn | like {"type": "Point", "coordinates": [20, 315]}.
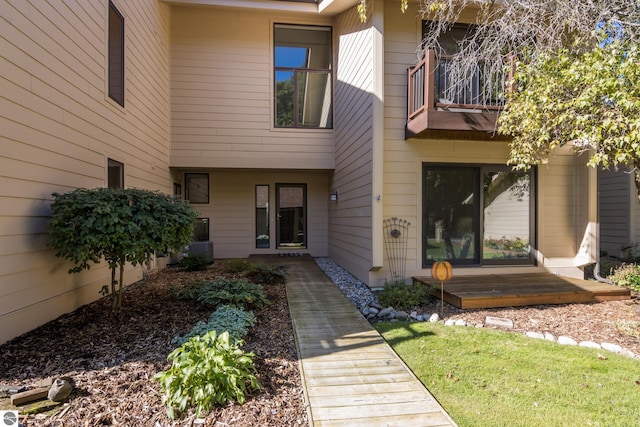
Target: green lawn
{"type": "Point", "coordinates": [484, 377]}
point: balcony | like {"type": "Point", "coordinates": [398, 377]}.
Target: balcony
{"type": "Point", "coordinates": [435, 106]}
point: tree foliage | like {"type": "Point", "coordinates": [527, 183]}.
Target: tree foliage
{"type": "Point", "coordinates": [590, 98]}
{"type": "Point", "coordinates": [118, 225]}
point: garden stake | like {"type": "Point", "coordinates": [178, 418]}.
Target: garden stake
{"type": "Point", "coordinates": [442, 271]}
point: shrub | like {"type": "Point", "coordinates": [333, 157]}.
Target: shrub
{"type": "Point", "coordinates": [119, 226]}
{"type": "Point", "coordinates": [235, 266]}
{"type": "Point", "coordinates": [627, 275]}
{"type": "Point", "coordinates": [194, 263]}
{"type": "Point", "coordinates": [189, 291]}
{"type": "Point", "coordinates": [229, 319]}
{"type": "Point", "coordinates": [268, 274]}
{"type": "Point", "coordinates": [235, 292]}
{"type": "Point", "coordinates": [404, 297]}
{"type": "Point", "coordinates": [205, 371]}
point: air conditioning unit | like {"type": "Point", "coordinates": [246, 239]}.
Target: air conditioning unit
{"type": "Point", "coordinates": [200, 248]}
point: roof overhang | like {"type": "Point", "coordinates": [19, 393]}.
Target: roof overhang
{"type": "Point", "coordinates": [323, 7]}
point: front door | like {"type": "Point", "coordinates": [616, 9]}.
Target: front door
{"type": "Point", "coordinates": [291, 207]}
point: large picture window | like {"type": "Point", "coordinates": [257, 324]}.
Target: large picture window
{"type": "Point", "coordinates": [303, 93]}
{"type": "Point", "coordinates": [477, 215]}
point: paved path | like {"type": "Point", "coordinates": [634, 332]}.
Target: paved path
{"type": "Point", "coordinates": [350, 375]}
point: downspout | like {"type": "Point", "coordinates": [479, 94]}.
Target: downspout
{"type": "Point", "coordinates": [596, 267]}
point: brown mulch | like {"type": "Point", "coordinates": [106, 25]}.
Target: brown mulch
{"type": "Point", "coordinates": [111, 358]}
{"type": "Point", "coordinates": [616, 322]}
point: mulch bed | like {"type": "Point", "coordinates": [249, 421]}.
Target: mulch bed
{"type": "Point", "coordinates": [111, 357]}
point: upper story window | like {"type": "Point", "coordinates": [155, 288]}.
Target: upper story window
{"type": "Point", "coordinates": [116, 55]}
{"type": "Point", "coordinates": [303, 92]}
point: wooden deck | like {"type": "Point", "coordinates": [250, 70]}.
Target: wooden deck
{"type": "Point", "coordinates": [350, 375]}
{"type": "Point", "coordinates": [510, 290]}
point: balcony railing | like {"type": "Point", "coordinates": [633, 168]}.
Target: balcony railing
{"type": "Point", "coordinates": [436, 102]}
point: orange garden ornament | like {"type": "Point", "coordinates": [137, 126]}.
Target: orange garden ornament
{"type": "Point", "coordinates": [442, 271]}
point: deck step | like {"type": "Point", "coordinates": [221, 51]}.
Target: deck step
{"type": "Point", "coordinates": [512, 290]}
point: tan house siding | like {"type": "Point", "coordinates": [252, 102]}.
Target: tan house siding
{"type": "Point", "coordinates": [403, 161]}
{"type": "Point", "coordinates": [351, 230]}
{"type": "Point", "coordinates": [58, 127]}
{"type": "Point", "coordinates": [221, 95]}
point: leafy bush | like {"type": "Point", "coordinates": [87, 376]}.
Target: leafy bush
{"type": "Point", "coordinates": [238, 293]}
{"type": "Point", "coordinates": [190, 290]}
{"type": "Point", "coordinates": [194, 263]}
{"type": "Point", "coordinates": [118, 226]}
{"type": "Point", "coordinates": [207, 370]}
{"type": "Point", "coordinates": [627, 275]}
{"type": "Point", "coordinates": [235, 266]}
{"type": "Point", "coordinates": [404, 297]}
{"type": "Point", "coordinates": [268, 274]}
{"type": "Point", "coordinates": [229, 319]}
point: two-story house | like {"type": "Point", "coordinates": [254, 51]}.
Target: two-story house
{"type": "Point", "coordinates": [292, 127]}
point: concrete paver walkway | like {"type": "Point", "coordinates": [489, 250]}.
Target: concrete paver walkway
{"type": "Point", "coordinates": [350, 374]}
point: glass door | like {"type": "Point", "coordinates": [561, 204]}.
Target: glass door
{"type": "Point", "coordinates": [451, 214]}
{"type": "Point", "coordinates": [291, 211]}
{"type": "Point", "coordinates": [506, 216]}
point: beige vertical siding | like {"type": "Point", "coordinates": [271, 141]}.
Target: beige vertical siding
{"type": "Point", "coordinates": [351, 230]}
{"type": "Point", "coordinates": [403, 162]}
{"type": "Point", "coordinates": [57, 128]}
{"type": "Point", "coordinates": [221, 94]}
{"type": "Point", "coordinates": [617, 203]}
{"type": "Point", "coordinates": [231, 210]}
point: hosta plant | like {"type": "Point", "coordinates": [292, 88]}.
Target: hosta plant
{"type": "Point", "coordinates": [205, 371]}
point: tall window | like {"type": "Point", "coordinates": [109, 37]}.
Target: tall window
{"type": "Point", "coordinates": [262, 216]}
{"type": "Point", "coordinates": [115, 174]}
{"type": "Point", "coordinates": [303, 93]}
{"type": "Point", "coordinates": [116, 55]}
{"type": "Point", "coordinates": [477, 215]}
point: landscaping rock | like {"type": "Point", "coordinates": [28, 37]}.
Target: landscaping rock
{"type": "Point", "coordinates": [461, 322]}
{"type": "Point", "coordinates": [376, 305]}
{"type": "Point", "coordinates": [60, 390]}
{"type": "Point", "coordinates": [589, 344]}
{"type": "Point", "coordinates": [373, 310]}
{"type": "Point", "coordinates": [385, 312]}
{"type": "Point", "coordinates": [449, 322]}
{"type": "Point", "coordinates": [402, 315]}
{"type": "Point", "coordinates": [420, 318]}
{"type": "Point", "coordinates": [566, 341]}
{"type": "Point", "coordinates": [434, 318]}
{"type": "Point", "coordinates": [536, 335]}
{"type": "Point", "coordinates": [613, 348]}
{"type": "Point", "coordinates": [549, 336]}
{"type": "Point", "coordinates": [499, 322]}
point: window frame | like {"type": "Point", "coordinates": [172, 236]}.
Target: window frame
{"type": "Point", "coordinates": [263, 225]}
{"type": "Point", "coordinates": [111, 166]}
{"type": "Point", "coordinates": [188, 192]}
{"type": "Point", "coordinates": [478, 215]}
{"type": "Point", "coordinates": [297, 72]}
{"type": "Point", "coordinates": [115, 54]}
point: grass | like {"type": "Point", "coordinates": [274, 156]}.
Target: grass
{"type": "Point", "coordinates": [485, 377]}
